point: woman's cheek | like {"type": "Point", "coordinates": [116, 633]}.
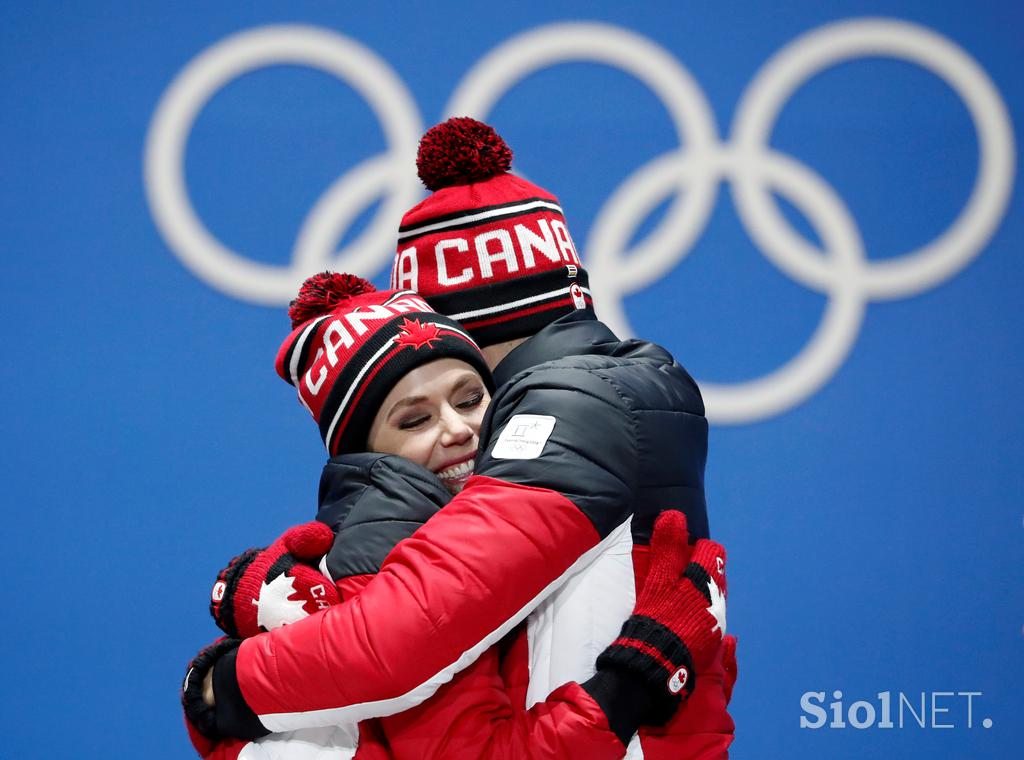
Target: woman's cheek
{"type": "Point", "coordinates": [421, 448]}
{"type": "Point", "coordinates": [478, 419]}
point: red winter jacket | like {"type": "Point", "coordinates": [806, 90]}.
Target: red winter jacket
{"type": "Point", "coordinates": [482, 713]}
{"type": "Point", "coordinates": [373, 502]}
{"type": "Point", "coordinates": [582, 448]}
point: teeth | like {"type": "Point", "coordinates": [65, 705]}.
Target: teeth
{"type": "Point", "coordinates": [456, 472]}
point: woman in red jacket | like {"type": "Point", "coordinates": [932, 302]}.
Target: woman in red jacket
{"type": "Point", "coordinates": [379, 371]}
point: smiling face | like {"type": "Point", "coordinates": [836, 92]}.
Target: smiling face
{"type": "Point", "coordinates": [432, 416]}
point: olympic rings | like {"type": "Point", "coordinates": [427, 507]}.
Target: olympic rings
{"type": "Point", "coordinates": [231, 58]}
{"type": "Point", "coordinates": [690, 176]}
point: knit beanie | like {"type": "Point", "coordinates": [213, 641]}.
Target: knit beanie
{"type": "Point", "coordinates": [351, 343]}
{"type": "Point", "coordinates": [487, 248]}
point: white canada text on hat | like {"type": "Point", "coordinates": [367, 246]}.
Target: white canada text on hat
{"type": "Point", "coordinates": [497, 246]}
{"type": "Point", "coordinates": [339, 336]}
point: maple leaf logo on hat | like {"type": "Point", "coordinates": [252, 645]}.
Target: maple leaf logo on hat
{"type": "Point", "coordinates": [414, 333]}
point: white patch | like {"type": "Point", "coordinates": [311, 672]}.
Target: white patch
{"type": "Point", "coordinates": [678, 680]}
{"type": "Point", "coordinates": [218, 591]}
{"type": "Point", "coordinates": [577, 296]}
{"type": "Point", "coordinates": [717, 608]}
{"type": "Point", "coordinates": [524, 437]}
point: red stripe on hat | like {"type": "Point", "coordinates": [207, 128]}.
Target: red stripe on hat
{"type": "Point", "coordinates": [516, 313]}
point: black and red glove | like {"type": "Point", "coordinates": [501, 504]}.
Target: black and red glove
{"type": "Point", "coordinates": [261, 589]}
{"type": "Point", "coordinates": [200, 717]}
{"type": "Point", "coordinates": [678, 623]}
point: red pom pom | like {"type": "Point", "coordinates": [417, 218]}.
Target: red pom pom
{"type": "Point", "coordinates": [322, 293]}
{"type": "Point", "coordinates": [459, 151]}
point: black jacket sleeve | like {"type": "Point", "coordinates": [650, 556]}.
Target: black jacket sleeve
{"type": "Point", "coordinates": [371, 502]}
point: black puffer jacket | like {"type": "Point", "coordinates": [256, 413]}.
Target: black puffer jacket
{"type": "Point", "coordinates": [371, 502]}
{"type": "Point", "coordinates": [652, 436]}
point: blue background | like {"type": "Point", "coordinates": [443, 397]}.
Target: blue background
{"type": "Point", "coordinates": [874, 530]}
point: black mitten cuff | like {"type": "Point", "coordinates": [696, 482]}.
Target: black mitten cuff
{"type": "Point", "coordinates": [200, 714]}
{"type": "Point", "coordinates": [656, 656]}
{"type": "Point", "coordinates": [234, 716]}
{"type": "Point", "coordinates": [624, 698]}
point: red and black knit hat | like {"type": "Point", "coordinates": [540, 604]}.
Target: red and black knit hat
{"type": "Point", "coordinates": [351, 344]}
{"type": "Point", "coordinates": [487, 248]}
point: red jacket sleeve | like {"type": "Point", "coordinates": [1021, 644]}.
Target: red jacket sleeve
{"type": "Point", "coordinates": [473, 716]}
{"type": "Point", "coordinates": [476, 716]}
{"type": "Point", "coordinates": [442, 598]}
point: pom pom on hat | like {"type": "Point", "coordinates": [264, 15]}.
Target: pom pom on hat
{"type": "Point", "coordinates": [460, 151]}
{"type": "Point", "coordinates": [324, 292]}
{"type": "Point", "coordinates": [526, 272]}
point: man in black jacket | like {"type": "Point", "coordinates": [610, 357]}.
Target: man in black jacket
{"type": "Point", "coordinates": [587, 439]}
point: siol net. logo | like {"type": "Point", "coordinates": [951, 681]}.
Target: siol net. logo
{"type": "Point", "coordinates": [925, 709]}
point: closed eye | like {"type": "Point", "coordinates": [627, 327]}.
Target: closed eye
{"type": "Point", "coordinates": [413, 422]}
{"type": "Point", "coordinates": [472, 401]}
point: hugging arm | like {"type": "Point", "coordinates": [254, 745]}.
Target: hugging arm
{"type": "Point", "coordinates": [445, 593]}
{"type": "Point", "coordinates": [478, 715]}
{"type": "Point", "coordinates": [475, 715]}
{"type": "Point", "coordinates": [674, 634]}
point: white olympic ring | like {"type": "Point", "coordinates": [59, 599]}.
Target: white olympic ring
{"type": "Point", "coordinates": [841, 270]}
{"type": "Point", "coordinates": [231, 58]}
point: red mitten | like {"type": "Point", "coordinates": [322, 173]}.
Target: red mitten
{"type": "Point", "coordinates": [678, 622]}
{"type": "Point", "coordinates": [262, 589]}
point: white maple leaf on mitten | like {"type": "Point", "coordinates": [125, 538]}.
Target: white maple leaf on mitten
{"type": "Point", "coordinates": [717, 608]}
{"type": "Point", "coordinates": [274, 608]}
